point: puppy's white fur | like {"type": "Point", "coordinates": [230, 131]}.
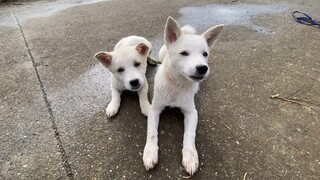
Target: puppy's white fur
{"type": "Point", "coordinates": [185, 64]}
{"type": "Point", "coordinates": [127, 64]}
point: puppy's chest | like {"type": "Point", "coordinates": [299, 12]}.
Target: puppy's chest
{"type": "Point", "coordinates": [178, 97]}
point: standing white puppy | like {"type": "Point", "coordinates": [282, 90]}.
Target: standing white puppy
{"type": "Point", "coordinates": [185, 64]}
{"type": "Point", "coordinates": [127, 64]}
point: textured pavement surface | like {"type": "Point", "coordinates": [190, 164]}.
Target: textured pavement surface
{"type": "Point", "coordinates": [53, 92]}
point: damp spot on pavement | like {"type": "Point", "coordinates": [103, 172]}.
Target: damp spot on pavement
{"type": "Point", "coordinates": [39, 9]}
{"type": "Point", "coordinates": [204, 17]}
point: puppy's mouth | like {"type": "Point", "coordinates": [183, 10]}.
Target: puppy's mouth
{"type": "Point", "coordinates": [136, 88]}
{"type": "Point", "coordinates": [197, 77]}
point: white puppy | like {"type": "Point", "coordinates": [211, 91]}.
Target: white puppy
{"type": "Point", "coordinates": [185, 64]}
{"type": "Point", "coordinates": [127, 64]}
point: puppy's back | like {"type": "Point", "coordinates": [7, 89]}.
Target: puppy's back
{"type": "Point", "coordinates": [132, 41]}
{"type": "Point", "coordinates": [187, 29]}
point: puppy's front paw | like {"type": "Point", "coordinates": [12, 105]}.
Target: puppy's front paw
{"type": "Point", "coordinates": [112, 109]}
{"type": "Point", "coordinates": [145, 108]}
{"type": "Point", "coordinates": [190, 160]}
{"type": "Point", "coordinates": [150, 156]}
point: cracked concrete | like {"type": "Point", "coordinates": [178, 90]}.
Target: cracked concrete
{"type": "Point", "coordinates": [53, 126]}
{"type": "Point", "coordinates": [27, 139]}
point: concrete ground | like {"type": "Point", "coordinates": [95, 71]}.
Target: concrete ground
{"type": "Point", "coordinates": [54, 93]}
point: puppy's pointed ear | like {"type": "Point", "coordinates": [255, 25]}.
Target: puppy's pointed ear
{"type": "Point", "coordinates": [104, 58]}
{"type": "Point", "coordinates": [212, 34]}
{"type": "Point", "coordinates": [142, 49]}
{"type": "Point", "coordinates": [172, 31]}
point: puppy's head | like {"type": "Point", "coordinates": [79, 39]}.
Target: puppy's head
{"type": "Point", "coordinates": [128, 65]}
{"type": "Point", "coordinates": [189, 52]}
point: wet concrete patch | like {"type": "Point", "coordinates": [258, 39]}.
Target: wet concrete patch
{"type": "Point", "coordinates": [82, 98]}
{"type": "Point", "coordinates": [233, 14]}
{"type": "Point", "coordinates": [39, 9]}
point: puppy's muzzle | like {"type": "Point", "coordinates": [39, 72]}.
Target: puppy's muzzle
{"type": "Point", "coordinates": [200, 73]}
{"type": "Point", "coordinates": [201, 70]}
{"type": "Point", "coordinates": [135, 84]}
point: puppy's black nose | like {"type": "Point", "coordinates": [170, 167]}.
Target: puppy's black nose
{"type": "Point", "coordinates": [134, 83]}
{"type": "Point", "coordinates": [202, 69]}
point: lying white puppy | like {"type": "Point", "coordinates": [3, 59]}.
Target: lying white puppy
{"type": "Point", "coordinates": [127, 64]}
{"type": "Point", "coordinates": [185, 64]}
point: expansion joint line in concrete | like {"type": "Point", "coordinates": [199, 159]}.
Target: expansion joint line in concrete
{"type": "Point", "coordinates": [65, 158]}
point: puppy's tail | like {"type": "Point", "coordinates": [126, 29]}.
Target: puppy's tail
{"type": "Point", "coordinates": [188, 29]}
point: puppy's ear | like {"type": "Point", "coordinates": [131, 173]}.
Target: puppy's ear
{"type": "Point", "coordinates": [172, 31]}
{"type": "Point", "coordinates": [104, 58]}
{"type": "Point", "coordinates": [212, 34]}
{"type": "Point", "coordinates": [142, 49]}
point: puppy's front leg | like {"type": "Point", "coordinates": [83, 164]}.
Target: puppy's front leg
{"type": "Point", "coordinates": [190, 159]}
{"type": "Point", "coordinates": [114, 105]}
{"type": "Point", "coordinates": [143, 99]}
{"type": "Point", "coordinates": [150, 153]}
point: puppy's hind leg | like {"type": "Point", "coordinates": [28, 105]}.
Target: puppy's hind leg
{"type": "Point", "coordinates": [143, 99]}
{"type": "Point", "coordinates": [114, 105]}
{"type": "Point", "coordinates": [190, 159]}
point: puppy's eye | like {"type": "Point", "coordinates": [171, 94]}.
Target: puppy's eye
{"type": "Point", "coordinates": [205, 54]}
{"type": "Point", "coordinates": [120, 70]}
{"type": "Point", "coordinates": [137, 64]}
{"type": "Point", "coordinates": [184, 53]}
